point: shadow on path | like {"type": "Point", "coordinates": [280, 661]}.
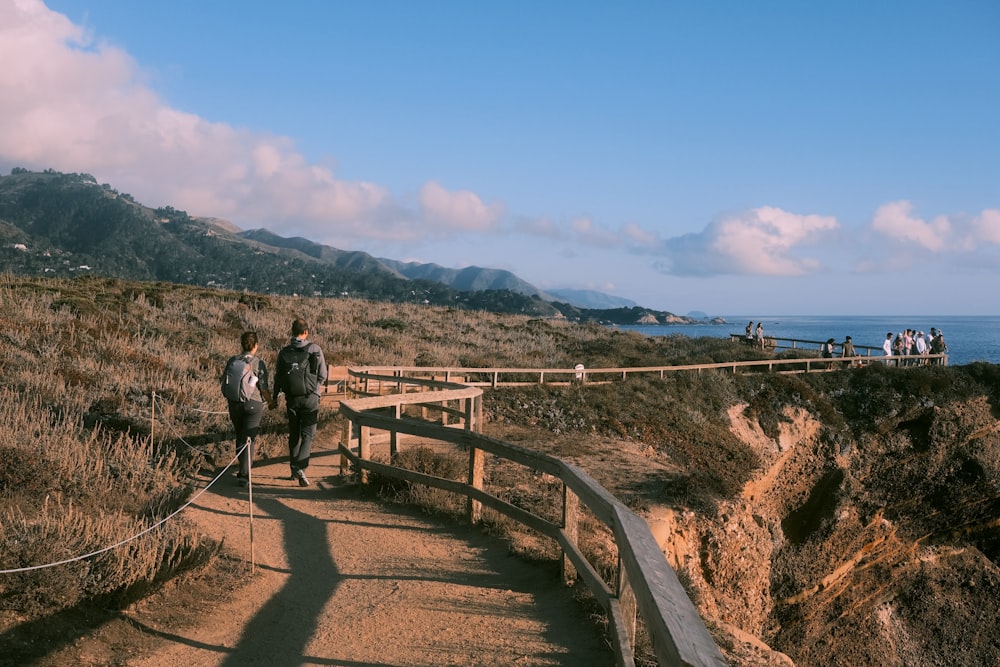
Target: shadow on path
{"type": "Point", "coordinates": [278, 635]}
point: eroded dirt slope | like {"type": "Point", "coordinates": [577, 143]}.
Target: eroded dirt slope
{"type": "Point", "coordinates": [880, 552]}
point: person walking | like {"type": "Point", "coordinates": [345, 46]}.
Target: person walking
{"type": "Point", "coordinates": [244, 384]}
{"type": "Point", "coordinates": [759, 333]}
{"type": "Point", "coordinates": [299, 374]}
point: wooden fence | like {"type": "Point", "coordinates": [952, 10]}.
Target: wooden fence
{"type": "Point", "coordinates": [377, 380]}
{"type": "Point", "coordinates": [644, 583]}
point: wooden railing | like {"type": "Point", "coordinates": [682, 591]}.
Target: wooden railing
{"type": "Point", "coordinates": [376, 380]}
{"type": "Point", "coordinates": [777, 343]}
{"type": "Point", "coordinates": [867, 351]}
{"type": "Point", "coordinates": [644, 583]}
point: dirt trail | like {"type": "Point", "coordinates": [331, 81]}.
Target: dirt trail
{"type": "Point", "coordinates": [342, 580]}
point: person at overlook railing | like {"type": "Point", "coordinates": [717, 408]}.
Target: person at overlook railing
{"type": "Point", "coordinates": [759, 333]}
{"type": "Point", "coordinates": [887, 345]}
{"type": "Point", "coordinates": [847, 350]}
{"type": "Point", "coordinates": [938, 346]}
{"type": "Point", "coordinates": [920, 347]}
{"type": "Point", "coordinates": [826, 351]}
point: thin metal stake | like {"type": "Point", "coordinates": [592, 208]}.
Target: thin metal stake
{"type": "Point", "coordinates": [250, 501]}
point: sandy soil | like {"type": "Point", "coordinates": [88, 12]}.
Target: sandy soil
{"type": "Point", "coordinates": [343, 580]}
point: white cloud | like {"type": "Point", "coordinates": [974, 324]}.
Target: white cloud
{"type": "Point", "coordinates": [960, 242]}
{"type": "Point", "coordinates": [541, 226]}
{"type": "Point", "coordinates": [763, 241]}
{"type": "Point", "coordinates": [986, 227]}
{"type": "Point", "coordinates": [587, 232]}
{"type": "Point", "coordinates": [73, 103]}
{"type": "Point", "coordinates": [639, 236]}
{"type": "Point", "coordinates": [896, 222]}
{"type": "Point", "coordinates": [460, 210]}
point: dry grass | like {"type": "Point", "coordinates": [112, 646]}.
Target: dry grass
{"type": "Point", "coordinates": [81, 360]}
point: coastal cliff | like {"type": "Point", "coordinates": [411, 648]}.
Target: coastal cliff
{"type": "Point", "coordinates": [845, 518]}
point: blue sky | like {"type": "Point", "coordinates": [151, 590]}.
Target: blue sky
{"type": "Point", "coordinates": [728, 157]}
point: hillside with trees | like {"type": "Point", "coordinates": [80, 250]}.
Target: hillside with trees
{"type": "Point", "coordinates": [65, 225]}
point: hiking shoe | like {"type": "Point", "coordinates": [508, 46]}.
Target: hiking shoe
{"type": "Point", "coordinates": [301, 476]}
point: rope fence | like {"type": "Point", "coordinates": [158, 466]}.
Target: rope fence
{"type": "Point", "coordinates": [159, 523]}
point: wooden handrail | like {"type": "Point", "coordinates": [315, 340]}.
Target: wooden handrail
{"type": "Point", "coordinates": [391, 375]}
{"type": "Point", "coordinates": [775, 343]}
{"type": "Point", "coordinates": [645, 582]}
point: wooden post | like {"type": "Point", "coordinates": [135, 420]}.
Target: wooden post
{"type": "Point", "coordinates": [364, 451]}
{"type": "Point", "coordinates": [477, 464]}
{"type": "Point", "coordinates": [470, 414]}
{"type": "Point", "coordinates": [571, 526]}
{"type": "Point", "coordinates": [394, 435]}
{"type": "Point", "coordinates": [479, 413]}
{"type": "Point", "coordinates": [345, 439]}
{"type": "Point", "coordinates": [626, 601]}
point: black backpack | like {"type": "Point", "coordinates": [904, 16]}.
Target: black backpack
{"type": "Point", "coordinates": [300, 379]}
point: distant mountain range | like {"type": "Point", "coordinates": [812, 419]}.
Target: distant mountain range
{"type": "Point", "coordinates": [59, 224]}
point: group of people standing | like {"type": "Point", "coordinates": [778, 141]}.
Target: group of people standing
{"type": "Point", "coordinates": [908, 343]}
{"type": "Point", "coordinates": [755, 337]}
{"type": "Point", "coordinates": [847, 350]}
{"type": "Point", "coordinates": [913, 342]}
{"type": "Point", "coordinates": [300, 372]}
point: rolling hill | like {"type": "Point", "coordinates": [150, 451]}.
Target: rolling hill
{"type": "Point", "coordinates": [67, 225]}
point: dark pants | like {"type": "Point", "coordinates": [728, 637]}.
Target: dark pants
{"type": "Point", "coordinates": [303, 414]}
{"type": "Point", "coordinates": [246, 419]}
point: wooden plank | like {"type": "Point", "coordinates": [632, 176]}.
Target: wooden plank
{"type": "Point", "coordinates": [590, 576]}
{"type": "Point", "coordinates": [477, 468]}
{"type": "Point", "coordinates": [533, 521]}
{"type": "Point", "coordinates": [679, 636]}
{"type": "Point", "coordinates": [626, 601]}
{"type": "Point", "coordinates": [597, 499]}
{"type": "Point", "coordinates": [619, 635]}
{"type": "Point", "coordinates": [571, 527]}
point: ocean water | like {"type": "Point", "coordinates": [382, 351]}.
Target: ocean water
{"type": "Point", "coordinates": [972, 338]}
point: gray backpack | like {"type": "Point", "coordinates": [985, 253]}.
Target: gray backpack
{"type": "Point", "coordinates": [239, 380]}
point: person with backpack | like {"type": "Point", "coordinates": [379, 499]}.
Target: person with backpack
{"type": "Point", "coordinates": [244, 384]}
{"type": "Point", "coordinates": [299, 374]}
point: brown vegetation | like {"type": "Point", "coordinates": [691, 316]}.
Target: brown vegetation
{"type": "Point", "coordinates": [836, 518]}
